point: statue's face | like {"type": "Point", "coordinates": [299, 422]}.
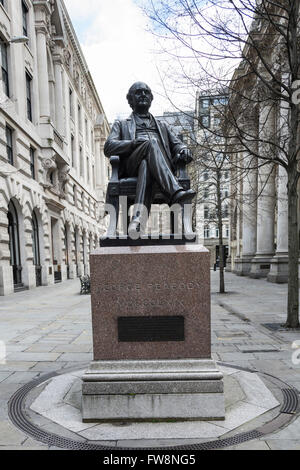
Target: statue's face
{"type": "Point", "coordinates": [141, 97]}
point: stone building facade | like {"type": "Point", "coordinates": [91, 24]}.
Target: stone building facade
{"type": "Point", "coordinates": [259, 208]}
{"type": "Point", "coordinates": [53, 172]}
{"type": "Point", "coordinates": [209, 156]}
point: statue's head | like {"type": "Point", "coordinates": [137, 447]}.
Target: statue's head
{"type": "Point", "coordinates": [139, 97]}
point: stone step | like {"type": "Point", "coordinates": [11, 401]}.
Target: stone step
{"type": "Point", "coordinates": [20, 288]}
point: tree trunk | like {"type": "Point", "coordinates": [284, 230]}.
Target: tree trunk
{"type": "Point", "coordinates": [221, 255]}
{"type": "Point", "coordinates": [220, 226]}
{"type": "Point", "coordinates": [293, 280]}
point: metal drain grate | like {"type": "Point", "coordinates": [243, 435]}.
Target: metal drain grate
{"type": "Point", "coordinates": [17, 414]}
{"type": "Point", "coordinates": [290, 404]}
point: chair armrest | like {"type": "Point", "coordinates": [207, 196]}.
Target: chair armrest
{"type": "Point", "coordinates": [115, 162]}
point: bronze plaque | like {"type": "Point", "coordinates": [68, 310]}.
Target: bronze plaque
{"type": "Point", "coordinates": [150, 329]}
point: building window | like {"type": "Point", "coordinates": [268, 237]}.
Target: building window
{"type": "Point", "coordinates": [4, 67]}
{"type": "Point", "coordinates": [80, 161]}
{"type": "Point", "coordinates": [225, 212]}
{"type": "Point", "coordinates": [71, 101]}
{"type": "Point", "coordinates": [205, 176]}
{"type": "Point", "coordinates": [86, 131]}
{"type": "Point", "coordinates": [227, 231]}
{"type": "Point", "coordinates": [14, 243]}
{"type": "Point", "coordinates": [32, 162]}
{"type": "Point", "coordinates": [74, 195]}
{"type": "Point", "coordinates": [9, 145]}
{"type": "Point", "coordinates": [205, 121]}
{"type": "Point", "coordinates": [28, 96]}
{"type": "Point", "coordinates": [79, 118]}
{"type": "Point", "coordinates": [35, 240]}
{"type": "Point", "coordinates": [217, 121]}
{"type": "Point", "coordinates": [88, 169]}
{"type": "Point", "coordinates": [24, 18]}
{"type": "Point", "coordinates": [217, 233]}
{"type": "Point", "coordinates": [206, 232]}
{"type": "Point", "coordinates": [94, 177]}
{"type": "Point", "coordinates": [204, 103]}
{"type": "Point", "coordinates": [206, 193]}
{"type": "Point", "coordinates": [206, 212]}
{"type": "Point", "coordinates": [51, 178]}
{"type": "Point", "coordinates": [72, 151]}
{"type": "Point", "coordinates": [92, 141]}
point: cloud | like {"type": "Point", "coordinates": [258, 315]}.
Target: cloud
{"type": "Point", "coordinates": [118, 50]}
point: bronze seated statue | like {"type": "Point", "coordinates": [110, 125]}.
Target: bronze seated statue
{"type": "Point", "coordinates": [148, 165]}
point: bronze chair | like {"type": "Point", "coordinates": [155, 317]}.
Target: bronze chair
{"type": "Point", "coordinates": [118, 187]}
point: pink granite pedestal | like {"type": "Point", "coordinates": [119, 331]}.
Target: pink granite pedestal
{"type": "Point", "coordinates": [151, 334]}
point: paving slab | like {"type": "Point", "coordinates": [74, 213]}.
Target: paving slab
{"type": "Point", "coordinates": [13, 366]}
{"type": "Point", "coordinates": [133, 431]}
{"type": "Point", "coordinates": [33, 357]}
{"type": "Point", "coordinates": [76, 357]}
{"type": "Point", "coordinates": [21, 377]}
{"type": "Point", "coordinates": [283, 444]}
{"type": "Point", "coordinates": [4, 375]}
{"type": "Point", "coordinates": [255, 390]}
{"type": "Point", "coordinates": [10, 435]}
{"type": "Point", "coordinates": [291, 432]}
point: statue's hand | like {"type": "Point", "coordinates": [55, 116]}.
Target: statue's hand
{"type": "Point", "coordinates": [185, 155]}
{"type": "Point", "coordinates": [139, 141]}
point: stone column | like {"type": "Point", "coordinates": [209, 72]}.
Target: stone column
{"type": "Point", "coordinates": [43, 72]}
{"type": "Point", "coordinates": [249, 195]}
{"type": "Point", "coordinates": [279, 267]}
{"type": "Point", "coordinates": [103, 162]}
{"type": "Point", "coordinates": [236, 258]}
{"type": "Point", "coordinates": [249, 211]}
{"type": "Point", "coordinates": [261, 263]}
{"type": "Point", "coordinates": [59, 111]}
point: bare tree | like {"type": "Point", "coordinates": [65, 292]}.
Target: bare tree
{"type": "Point", "coordinates": [260, 41]}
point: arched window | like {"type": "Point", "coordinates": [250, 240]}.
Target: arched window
{"type": "Point", "coordinates": [14, 243]}
{"type": "Point", "coordinates": [36, 249]}
{"type": "Point", "coordinates": [35, 240]}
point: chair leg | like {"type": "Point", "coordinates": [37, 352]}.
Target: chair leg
{"type": "Point", "coordinates": [187, 221]}
{"type": "Point", "coordinates": [172, 222]}
{"type": "Point", "coordinates": [124, 213]}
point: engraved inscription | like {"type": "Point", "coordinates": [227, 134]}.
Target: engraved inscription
{"type": "Point", "coordinates": [156, 287]}
{"type": "Point", "coordinates": [151, 329]}
{"type": "Point", "coordinates": [139, 303]}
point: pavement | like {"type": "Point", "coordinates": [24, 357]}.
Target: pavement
{"type": "Point", "coordinates": [49, 329]}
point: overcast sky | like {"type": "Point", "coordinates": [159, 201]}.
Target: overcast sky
{"type": "Point", "coordinates": [118, 50]}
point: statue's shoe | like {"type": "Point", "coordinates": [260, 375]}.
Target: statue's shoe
{"type": "Point", "coordinates": [184, 196]}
